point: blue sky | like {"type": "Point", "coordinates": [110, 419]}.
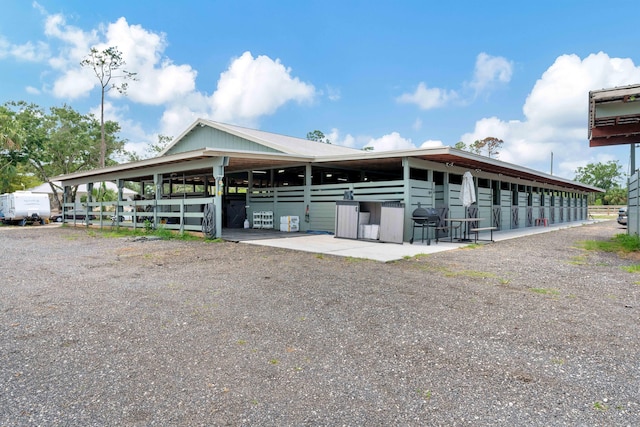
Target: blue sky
{"type": "Point", "coordinates": [391, 75]}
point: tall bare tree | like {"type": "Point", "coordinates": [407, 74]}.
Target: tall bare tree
{"type": "Point", "coordinates": [108, 68]}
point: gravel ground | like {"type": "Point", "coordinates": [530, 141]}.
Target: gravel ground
{"type": "Point", "coordinates": [98, 331]}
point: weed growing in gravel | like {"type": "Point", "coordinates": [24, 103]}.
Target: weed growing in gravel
{"type": "Point", "coordinates": [635, 268]}
{"type": "Point", "coordinates": [578, 260]}
{"type": "Point", "coordinates": [472, 246]}
{"type": "Point", "coordinates": [416, 256]}
{"type": "Point", "coordinates": [545, 291]}
{"type": "Point", "coordinates": [599, 406]}
{"type": "Point", "coordinates": [354, 259]}
{"type": "Point", "coordinates": [425, 394]}
{"type": "Point", "coordinates": [470, 273]}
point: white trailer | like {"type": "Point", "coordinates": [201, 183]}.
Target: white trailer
{"type": "Point", "coordinates": [24, 207]}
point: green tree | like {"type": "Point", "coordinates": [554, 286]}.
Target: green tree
{"type": "Point", "coordinates": [107, 66]}
{"type": "Point", "coordinates": [607, 176]}
{"type": "Point", "coordinates": [493, 146]}
{"type": "Point", "coordinates": [318, 136]}
{"type": "Point", "coordinates": [488, 146]}
{"type": "Point", "coordinates": [461, 146]}
{"type": "Point", "coordinates": [603, 175]}
{"type": "Point", "coordinates": [616, 196]}
{"type": "Point", "coordinates": [60, 142]}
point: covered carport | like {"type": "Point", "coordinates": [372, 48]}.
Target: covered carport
{"type": "Point", "coordinates": [614, 119]}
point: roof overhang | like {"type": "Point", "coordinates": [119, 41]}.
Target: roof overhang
{"type": "Point", "coordinates": [193, 161]}
{"type": "Point", "coordinates": [454, 158]}
{"type": "Point", "coordinates": [614, 116]}
{"type": "Point", "coordinates": [202, 161]}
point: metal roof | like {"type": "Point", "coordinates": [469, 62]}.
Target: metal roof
{"type": "Point", "coordinates": [282, 143]}
{"type": "Point", "coordinates": [614, 116]}
{"type": "Point", "coordinates": [296, 151]}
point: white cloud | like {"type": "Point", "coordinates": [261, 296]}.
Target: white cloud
{"type": "Point", "coordinates": [346, 141]}
{"type": "Point", "coordinates": [392, 141]}
{"type": "Point", "coordinates": [417, 124]}
{"type": "Point", "coordinates": [428, 98]}
{"type": "Point", "coordinates": [430, 143]}
{"type": "Point", "coordinates": [556, 115]}
{"type": "Point", "coordinates": [249, 89]}
{"type": "Point", "coordinates": [28, 52]}
{"type": "Point", "coordinates": [333, 94]}
{"type": "Point", "coordinates": [254, 87]}
{"type": "Point", "coordinates": [489, 71]}
{"type": "Point", "coordinates": [32, 90]}
{"type": "Point", "coordinates": [159, 79]}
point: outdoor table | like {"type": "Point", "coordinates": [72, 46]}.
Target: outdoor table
{"type": "Point", "coordinates": [464, 221]}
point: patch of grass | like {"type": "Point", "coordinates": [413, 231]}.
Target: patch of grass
{"type": "Point", "coordinates": [161, 232]}
{"type": "Point", "coordinates": [545, 291]}
{"type": "Point", "coordinates": [635, 268]}
{"type": "Point", "coordinates": [354, 259]}
{"type": "Point", "coordinates": [416, 256]}
{"type": "Point", "coordinates": [472, 246]}
{"type": "Point", "coordinates": [470, 273]}
{"type": "Point", "coordinates": [578, 260]}
{"type": "Point", "coordinates": [425, 394]}
{"type": "Point", "coordinates": [619, 243]}
{"type": "Point", "coordinates": [599, 406]}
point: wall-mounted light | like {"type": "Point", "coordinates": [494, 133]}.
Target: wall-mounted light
{"type": "Point", "coordinates": [260, 172]}
{"type": "Point", "coordinates": [449, 164]}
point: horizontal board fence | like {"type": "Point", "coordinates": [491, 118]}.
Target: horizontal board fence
{"type": "Point", "coordinates": [172, 214]}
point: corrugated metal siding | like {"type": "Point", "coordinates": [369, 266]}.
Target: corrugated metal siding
{"type": "Point", "coordinates": [206, 137]}
{"type": "Point", "coordinates": [633, 202]}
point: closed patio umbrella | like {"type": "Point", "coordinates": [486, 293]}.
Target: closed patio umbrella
{"type": "Point", "coordinates": [468, 190]}
{"type": "Point", "coordinates": [467, 194]}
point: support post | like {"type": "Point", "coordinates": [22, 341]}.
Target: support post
{"type": "Point", "coordinates": [219, 164]}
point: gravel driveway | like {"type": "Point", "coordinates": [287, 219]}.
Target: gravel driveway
{"type": "Point", "coordinates": [98, 331]}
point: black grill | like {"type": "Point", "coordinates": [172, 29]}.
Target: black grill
{"type": "Point", "coordinates": [424, 215]}
{"type": "Point", "coordinates": [424, 218]}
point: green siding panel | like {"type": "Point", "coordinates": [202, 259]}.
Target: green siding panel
{"type": "Point", "coordinates": [205, 137]}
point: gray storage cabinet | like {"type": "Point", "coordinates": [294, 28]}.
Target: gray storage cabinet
{"type": "Point", "coordinates": [389, 216]}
